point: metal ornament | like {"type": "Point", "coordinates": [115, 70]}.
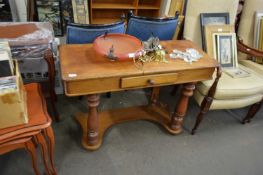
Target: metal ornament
{"type": "Point", "coordinates": [152, 52]}
{"type": "Point", "coordinates": [111, 54]}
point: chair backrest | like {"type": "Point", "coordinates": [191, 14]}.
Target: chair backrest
{"type": "Point", "coordinates": [87, 33]}
{"type": "Point", "coordinates": [247, 21]}
{"type": "Point", "coordinates": [144, 27]}
{"type": "Point", "coordinates": [192, 28]}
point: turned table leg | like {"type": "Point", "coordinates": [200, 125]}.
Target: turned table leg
{"type": "Point", "coordinates": [93, 120]}
{"type": "Point", "coordinates": [177, 118]}
{"type": "Point", "coordinates": [155, 95]}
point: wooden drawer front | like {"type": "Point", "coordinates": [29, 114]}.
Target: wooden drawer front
{"type": "Point", "coordinates": [149, 80]}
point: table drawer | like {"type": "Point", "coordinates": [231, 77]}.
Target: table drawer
{"type": "Point", "coordinates": [149, 80]}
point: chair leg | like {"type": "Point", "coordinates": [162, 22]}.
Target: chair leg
{"type": "Point", "coordinates": [205, 106]}
{"type": "Point", "coordinates": [51, 140]}
{"type": "Point", "coordinates": [48, 56]}
{"type": "Point", "coordinates": [175, 89]}
{"type": "Point", "coordinates": [41, 140]}
{"type": "Point", "coordinates": [207, 101]}
{"type": "Point", "coordinates": [30, 147]}
{"type": "Point", "coordinates": [54, 109]}
{"type": "Point", "coordinates": [199, 119]}
{"type": "Point", "coordinates": [252, 112]}
{"type": "Point", "coordinates": [108, 94]}
{"type": "Point", "coordinates": [53, 100]}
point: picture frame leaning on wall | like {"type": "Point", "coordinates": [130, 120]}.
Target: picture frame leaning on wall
{"type": "Point", "coordinates": [260, 41]}
{"type": "Point", "coordinates": [226, 54]}
{"type": "Point", "coordinates": [258, 17]}
{"type": "Point", "coordinates": [80, 11]}
{"type": "Point", "coordinates": [50, 11]}
{"type": "Point", "coordinates": [226, 49]}
{"type": "Point", "coordinates": [5, 11]}
{"type": "Point", "coordinates": [212, 19]}
{"type": "Point", "coordinates": [209, 30]}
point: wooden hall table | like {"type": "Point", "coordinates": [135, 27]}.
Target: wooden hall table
{"type": "Point", "coordinates": [86, 73]}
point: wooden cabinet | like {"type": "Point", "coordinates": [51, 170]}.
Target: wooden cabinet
{"type": "Point", "coordinates": [108, 11]}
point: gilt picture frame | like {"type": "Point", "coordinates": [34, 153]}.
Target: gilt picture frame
{"type": "Point", "coordinates": [80, 11]}
{"type": "Point", "coordinates": [209, 30]}
{"type": "Point", "coordinates": [212, 19]}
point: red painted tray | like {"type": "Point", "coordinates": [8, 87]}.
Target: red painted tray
{"type": "Point", "coordinates": [123, 46]}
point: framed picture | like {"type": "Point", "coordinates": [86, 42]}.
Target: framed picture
{"type": "Point", "coordinates": [260, 41]}
{"type": "Point", "coordinates": [179, 27]}
{"type": "Point", "coordinates": [80, 11]}
{"type": "Point", "coordinates": [260, 35]}
{"type": "Point", "coordinates": [237, 73]}
{"type": "Point", "coordinates": [50, 11]}
{"type": "Point", "coordinates": [212, 19]}
{"type": "Point", "coordinates": [209, 30]}
{"type": "Point", "coordinates": [258, 17]}
{"type": "Point", "coordinates": [176, 6]}
{"type": "Point", "coordinates": [5, 11]}
{"type": "Point", "coordinates": [67, 12]}
{"type": "Point", "coordinates": [226, 50]}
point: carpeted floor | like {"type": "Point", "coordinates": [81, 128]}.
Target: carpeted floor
{"type": "Point", "coordinates": [222, 146]}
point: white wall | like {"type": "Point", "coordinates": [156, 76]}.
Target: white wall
{"type": "Point", "coordinates": [13, 8]}
{"type": "Point", "coordinates": [165, 7]}
{"type": "Point", "coordinates": [21, 10]}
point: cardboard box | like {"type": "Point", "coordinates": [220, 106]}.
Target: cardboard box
{"type": "Point", "coordinates": [13, 103]}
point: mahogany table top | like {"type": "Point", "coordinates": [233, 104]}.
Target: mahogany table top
{"type": "Point", "coordinates": [80, 62]}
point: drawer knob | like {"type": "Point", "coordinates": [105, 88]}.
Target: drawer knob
{"type": "Point", "coordinates": [151, 82]}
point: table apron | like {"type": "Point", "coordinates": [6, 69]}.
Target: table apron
{"type": "Point", "coordinates": [111, 84]}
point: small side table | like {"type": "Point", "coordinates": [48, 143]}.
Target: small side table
{"type": "Point", "coordinates": [36, 132]}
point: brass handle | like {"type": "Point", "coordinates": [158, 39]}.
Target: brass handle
{"type": "Point", "coordinates": [151, 82]}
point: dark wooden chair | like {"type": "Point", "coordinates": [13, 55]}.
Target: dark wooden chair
{"type": "Point", "coordinates": [245, 32]}
{"type": "Point", "coordinates": [34, 133]}
{"type": "Point", "coordinates": [259, 68]}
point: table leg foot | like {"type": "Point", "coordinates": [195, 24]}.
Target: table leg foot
{"type": "Point", "coordinates": [82, 120]}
